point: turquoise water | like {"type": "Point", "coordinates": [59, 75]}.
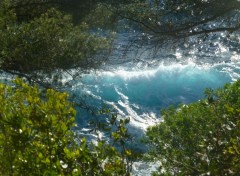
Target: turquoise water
{"type": "Point", "coordinates": [141, 94]}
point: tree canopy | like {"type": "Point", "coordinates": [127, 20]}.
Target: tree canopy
{"type": "Point", "coordinates": [201, 25]}
{"type": "Point", "coordinates": [201, 138]}
{"type": "Point", "coordinates": [40, 42]}
{"type": "Point", "coordinates": [43, 40]}
{"type": "Point", "coordinates": [184, 18]}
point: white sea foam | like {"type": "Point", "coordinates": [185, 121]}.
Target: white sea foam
{"type": "Point", "coordinates": [140, 94]}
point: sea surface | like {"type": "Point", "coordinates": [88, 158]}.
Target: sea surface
{"type": "Point", "coordinates": [138, 86]}
{"type": "Point", "coordinates": [140, 94]}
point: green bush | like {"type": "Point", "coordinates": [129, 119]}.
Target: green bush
{"type": "Point", "coordinates": [201, 138]}
{"type": "Point", "coordinates": [36, 137]}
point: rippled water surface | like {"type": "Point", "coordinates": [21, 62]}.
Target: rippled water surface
{"type": "Point", "coordinates": [141, 94]}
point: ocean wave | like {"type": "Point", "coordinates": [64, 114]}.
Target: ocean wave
{"type": "Point", "coordinates": [141, 93]}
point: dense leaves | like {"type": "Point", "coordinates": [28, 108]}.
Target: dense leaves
{"type": "Point", "coordinates": [43, 46]}
{"type": "Point", "coordinates": [41, 41]}
{"type": "Point", "coordinates": [201, 138]}
{"type": "Point", "coordinates": [36, 137]}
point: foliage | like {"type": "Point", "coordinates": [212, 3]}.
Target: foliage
{"type": "Point", "coordinates": [170, 24]}
{"type": "Point", "coordinates": [201, 138]}
{"type": "Point", "coordinates": [44, 46]}
{"type": "Point", "coordinates": [182, 18]}
{"type": "Point", "coordinates": [29, 9]}
{"type": "Point", "coordinates": [44, 40]}
{"type": "Point", "coordinates": [119, 136]}
{"type": "Point", "coordinates": [36, 137]}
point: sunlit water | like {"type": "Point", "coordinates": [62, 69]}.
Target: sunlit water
{"type": "Point", "coordinates": [139, 86]}
{"type": "Point", "coordinates": [141, 94]}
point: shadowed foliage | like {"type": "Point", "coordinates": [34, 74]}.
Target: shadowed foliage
{"type": "Point", "coordinates": [201, 138]}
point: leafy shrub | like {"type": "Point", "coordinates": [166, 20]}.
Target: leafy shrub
{"type": "Point", "coordinates": [201, 138]}
{"type": "Point", "coordinates": [36, 137]}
